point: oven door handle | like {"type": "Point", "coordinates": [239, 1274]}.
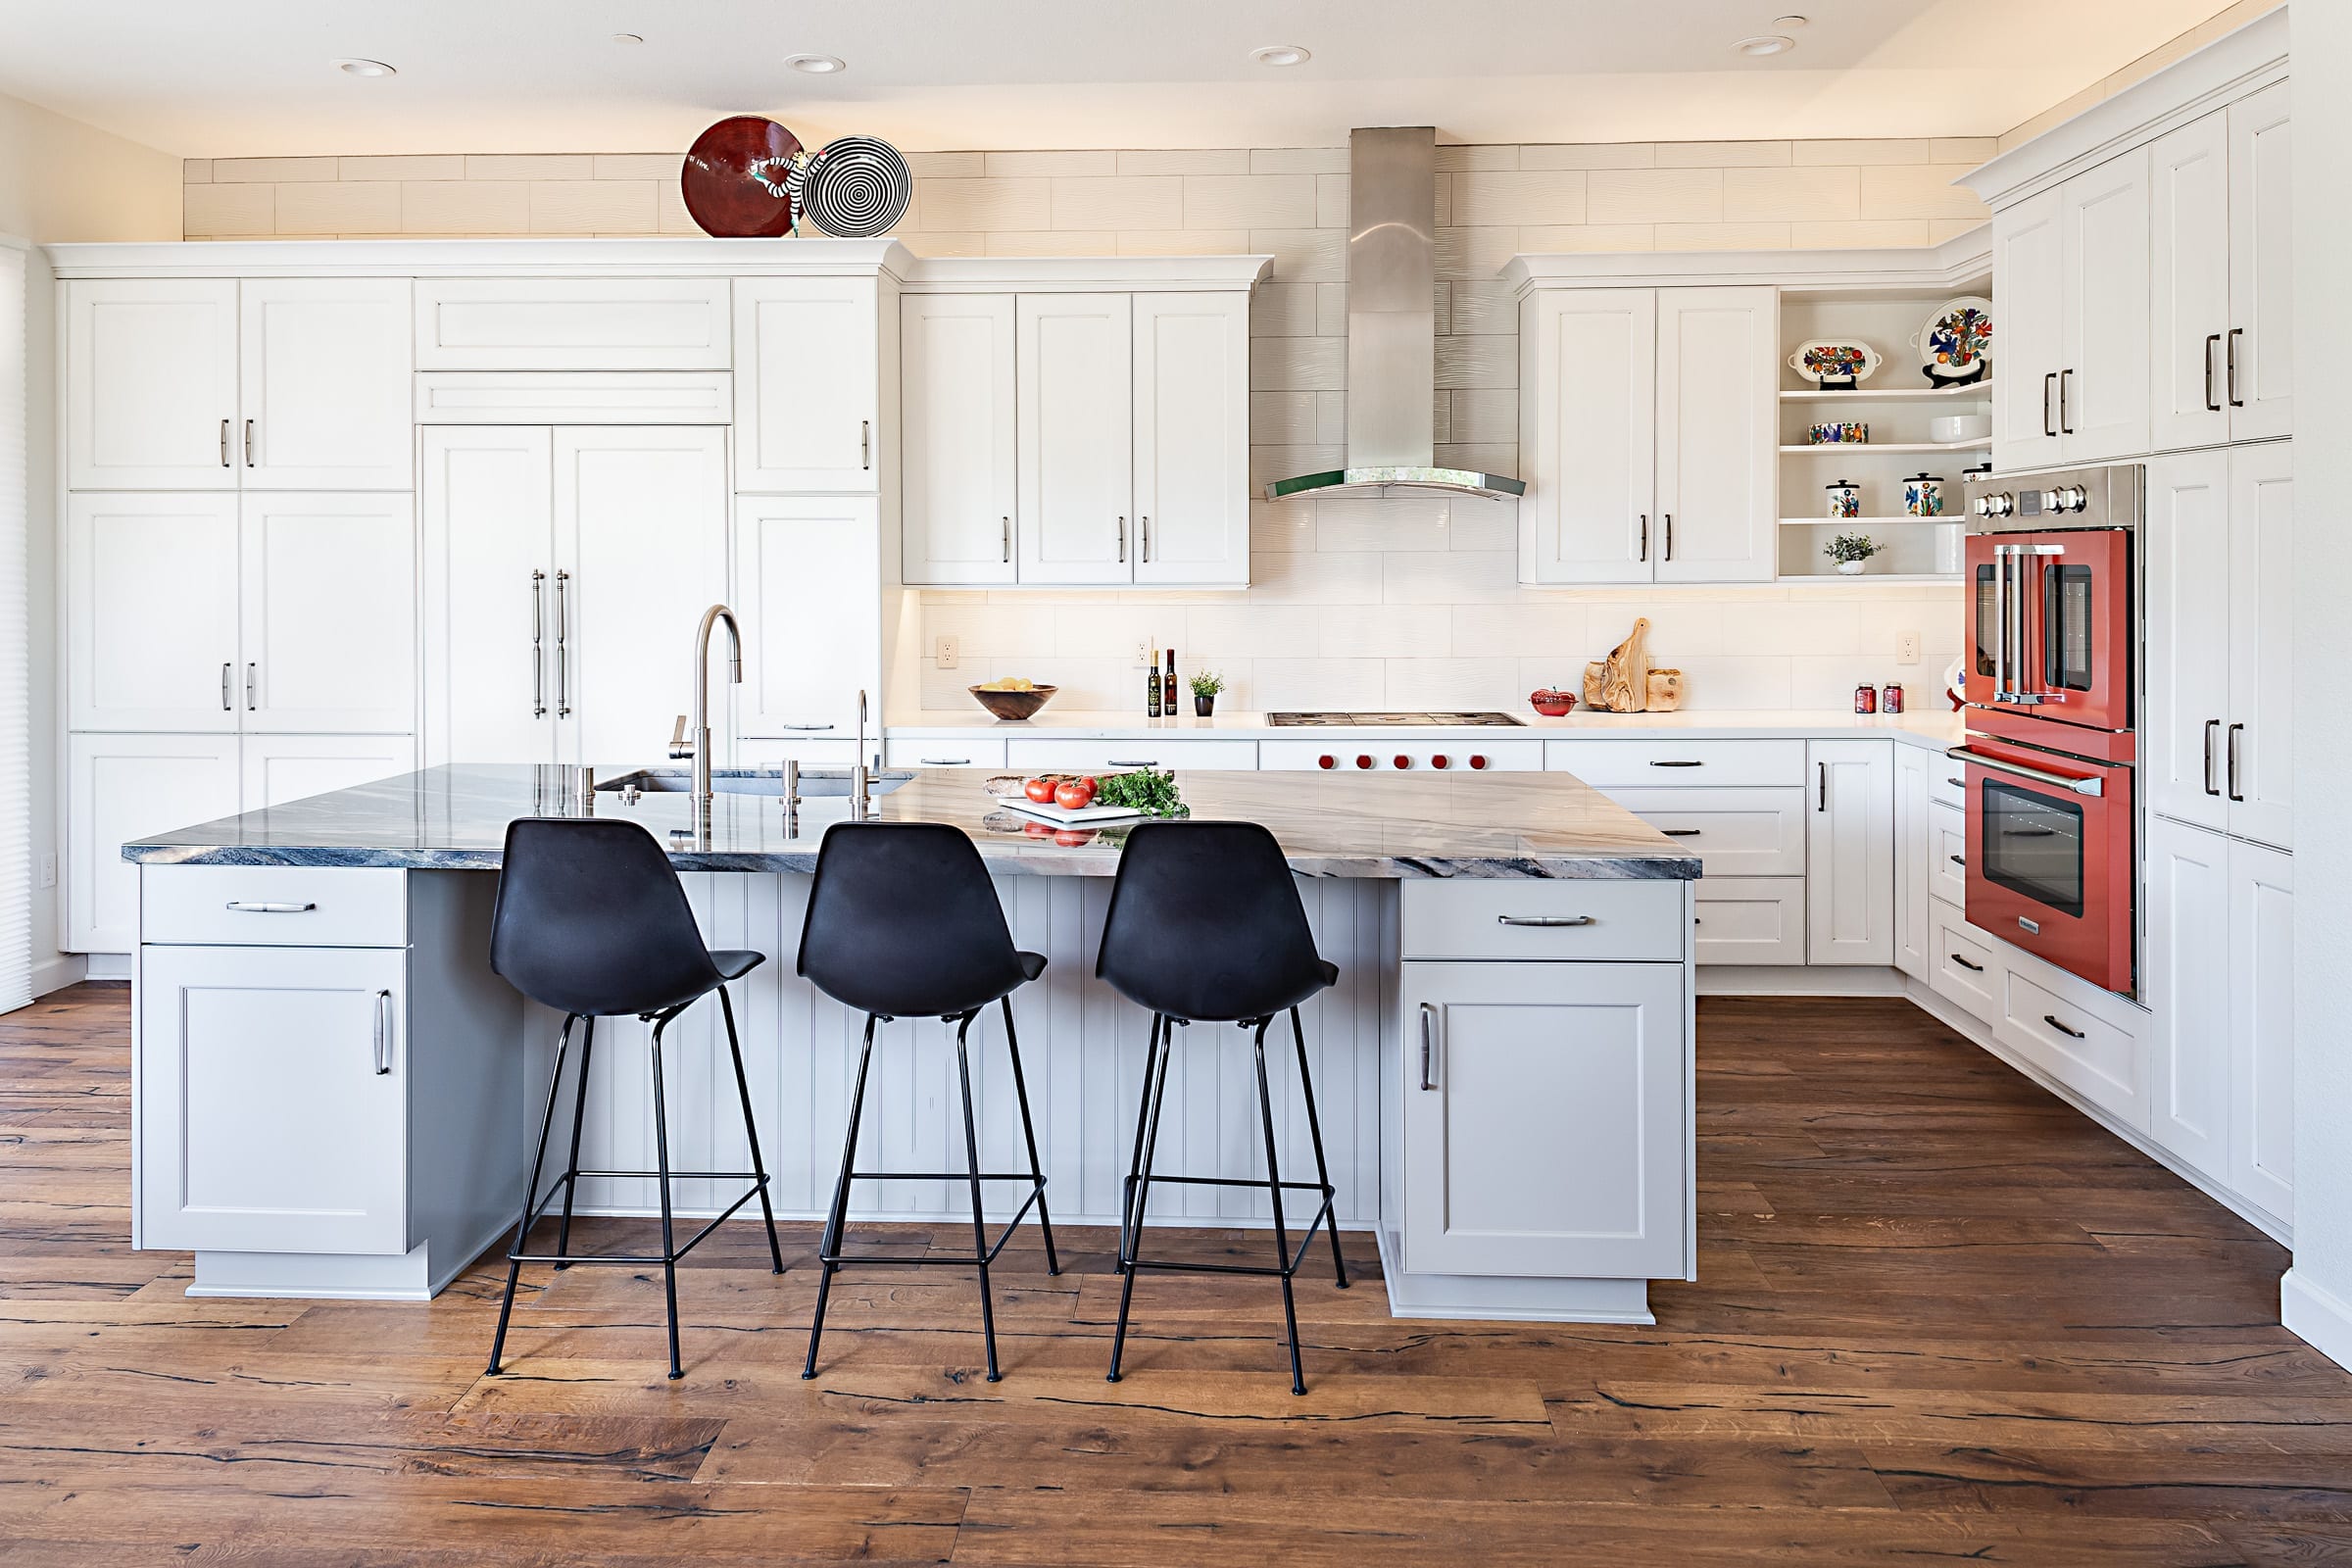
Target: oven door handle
{"type": "Point", "coordinates": [2080, 786]}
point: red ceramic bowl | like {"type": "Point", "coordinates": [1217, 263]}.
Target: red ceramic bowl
{"type": "Point", "coordinates": [1551, 704]}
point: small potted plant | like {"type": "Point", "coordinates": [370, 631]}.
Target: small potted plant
{"type": "Point", "coordinates": [1205, 684]}
{"type": "Point", "coordinates": [1851, 551]}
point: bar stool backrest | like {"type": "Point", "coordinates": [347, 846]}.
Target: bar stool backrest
{"type": "Point", "coordinates": [903, 921]}
{"type": "Point", "coordinates": [1205, 923]}
{"type": "Point", "coordinates": [592, 920]}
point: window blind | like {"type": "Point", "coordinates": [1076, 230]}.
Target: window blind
{"type": "Point", "coordinates": [16, 738]}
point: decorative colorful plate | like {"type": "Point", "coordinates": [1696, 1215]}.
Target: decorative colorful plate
{"type": "Point", "coordinates": [736, 177]}
{"type": "Point", "coordinates": [1956, 343]}
{"type": "Point", "coordinates": [1836, 361]}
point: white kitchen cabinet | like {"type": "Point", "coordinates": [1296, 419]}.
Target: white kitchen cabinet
{"type": "Point", "coordinates": [956, 397]}
{"type": "Point", "coordinates": [2262, 1027]}
{"type": "Point", "coordinates": [1718, 469]}
{"type": "Point", "coordinates": [277, 768]}
{"type": "Point", "coordinates": [150, 611]}
{"type": "Point", "coordinates": [125, 787]}
{"type": "Point", "coordinates": [1191, 438]}
{"type": "Point", "coordinates": [1073, 418]}
{"type": "Point", "coordinates": [2188, 201]}
{"type": "Point", "coordinates": [1588, 435]}
{"type": "Point", "coordinates": [2258, 744]}
{"type": "Point", "coordinates": [807, 358]}
{"type": "Point", "coordinates": [1914, 856]}
{"type": "Point", "coordinates": [323, 373]}
{"type": "Point", "coordinates": [2260, 367]}
{"type": "Point", "coordinates": [487, 510]}
{"type": "Point", "coordinates": [1541, 1119]}
{"type": "Point", "coordinates": [327, 612]}
{"type": "Point", "coordinates": [288, 1070]}
{"type": "Point", "coordinates": [811, 641]}
{"type": "Point", "coordinates": [1750, 920]}
{"type": "Point", "coordinates": [1849, 878]}
{"type": "Point", "coordinates": [151, 383]}
{"type": "Point", "coordinates": [1735, 832]}
{"type": "Point", "coordinates": [2104, 380]}
{"type": "Point", "coordinates": [2029, 269]}
{"type": "Point", "coordinates": [573, 324]}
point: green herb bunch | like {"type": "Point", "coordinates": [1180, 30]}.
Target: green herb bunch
{"type": "Point", "coordinates": [1146, 791]}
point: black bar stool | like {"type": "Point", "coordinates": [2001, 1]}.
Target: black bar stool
{"type": "Point", "coordinates": [592, 920]}
{"type": "Point", "coordinates": [904, 922]}
{"type": "Point", "coordinates": [1205, 926]}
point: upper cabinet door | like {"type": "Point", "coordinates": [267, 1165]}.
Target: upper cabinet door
{"type": "Point", "coordinates": [151, 617]}
{"type": "Point", "coordinates": [813, 642]}
{"type": "Point", "coordinates": [1587, 410]}
{"type": "Point", "coordinates": [1191, 438]}
{"type": "Point", "coordinates": [2189, 635]}
{"type": "Point", "coordinates": [323, 367]}
{"type": "Point", "coordinates": [955, 396]}
{"type": "Point", "coordinates": [493, 622]}
{"type": "Point", "coordinates": [641, 552]}
{"type": "Point", "coordinates": [328, 611]}
{"type": "Point", "coordinates": [2258, 745]}
{"type": "Point", "coordinates": [1718, 493]}
{"type": "Point", "coordinates": [2261, 373]}
{"type": "Point", "coordinates": [1074, 394]}
{"type": "Point", "coordinates": [2028, 264]}
{"type": "Point", "coordinates": [2188, 199]}
{"type": "Point", "coordinates": [2103, 381]}
{"type": "Point", "coordinates": [806, 369]}
{"type": "Point", "coordinates": [572, 323]}
{"type": "Point", "coordinates": [151, 383]}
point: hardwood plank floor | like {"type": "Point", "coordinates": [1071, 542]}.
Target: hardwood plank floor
{"type": "Point", "coordinates": [1939, 1316]}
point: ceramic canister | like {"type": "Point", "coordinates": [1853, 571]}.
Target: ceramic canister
{"type": "Point", "coordinates": [1838, 432]}
{"type": "Point", "coordinates": [1846, 500]}
{"type": "Point", "coordinates": [1922, 496]}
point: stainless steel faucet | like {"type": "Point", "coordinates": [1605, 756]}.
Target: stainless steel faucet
{"type": "Point", "coordinates": [861, 800]}
{"type": "Point", "coordinates": [701, 692]}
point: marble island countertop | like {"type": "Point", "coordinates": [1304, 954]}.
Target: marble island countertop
{"type": "Point", "coordinates": [1484, 825]}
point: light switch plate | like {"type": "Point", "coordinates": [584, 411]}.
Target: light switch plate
{"type": "Point", "coordinates": [48, 871]}
{"type": "Point", "coordinates": [1906, 648]}
{"type": "Point", "coordinates": [945, 652]}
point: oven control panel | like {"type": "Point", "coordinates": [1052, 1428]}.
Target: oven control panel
{"type": "Point", "coordinates": [2110, 497]}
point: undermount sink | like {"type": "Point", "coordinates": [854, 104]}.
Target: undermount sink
{"type": "Point", "coordinates": [815, 782]}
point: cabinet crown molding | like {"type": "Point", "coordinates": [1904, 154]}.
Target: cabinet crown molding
{"type": "Point", "coordinates": [486, 258]}
{"type": "Point", "coordinates": [2229, 67]}
{"type": "Point", "coordinates": [1963, 259]}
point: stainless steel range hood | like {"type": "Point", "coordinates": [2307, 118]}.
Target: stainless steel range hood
{"type": "Point", "coordinates": [1391, 328]}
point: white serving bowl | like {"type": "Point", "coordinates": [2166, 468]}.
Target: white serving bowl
{"type": "Point", "coordinates": [1960, 427]}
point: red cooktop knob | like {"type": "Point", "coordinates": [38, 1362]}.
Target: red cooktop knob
{"type": "Point", "coordinates": [1325, 761]}
{"type": "Point", "coordinates": [1477, 761]}
{"type": "Point", "coordinates": [1402, 760]}
{"type": "Point", "coordinates": [1363, 762]}
{"type": "Point", "coordinates": [1440, 760]}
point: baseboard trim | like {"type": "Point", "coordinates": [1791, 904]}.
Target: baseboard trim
{"type": "Point", "coordinates": [107, 966]}
{"type": "Point", "coordinates": [2318, 1316]}
{"type": "Point", "coordinates": [66, 969]}
{"type": "Point", "coordinates": [1799, 980]}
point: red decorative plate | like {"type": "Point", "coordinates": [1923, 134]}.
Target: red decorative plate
{"type": "Point", "coordinates": [734, 179]}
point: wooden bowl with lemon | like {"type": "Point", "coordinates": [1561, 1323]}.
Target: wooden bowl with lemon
{"type": "Point", "coordinates": [1012, 698]}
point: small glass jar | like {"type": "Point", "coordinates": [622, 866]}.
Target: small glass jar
{"type": "Point", "coordinates": [1866, 699]}
{"type": "Point", "coordinates": [1922, 496]}
{"type": "Point", "coordinates": [1891, 701]}
{"type": "Point", "coordinates": [1844, 499]}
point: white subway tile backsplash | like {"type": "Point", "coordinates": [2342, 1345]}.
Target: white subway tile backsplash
{"type": "Point", "coordinates": [271, 171]}
{"type": "Point", "coordinates": [1389, 631]}
{"type": "Point", "coordinates": [1283, 418]}
{"type": "Point", "coordinates": [1282, 524]}
{"type": "Point", "coordinates": [1284, 309]}
{"type": "Point", "coordinates": [1298, 160]}
{"type": "Point", "coordinates": [1047, 163]}
{"type": "Point", "coordinates": [443, 165]}
{"type": "Point", "coordinates": [466, 206]}
{"type": "Point", "coordinates": [1315, 578]}
{"type": "Point", "coordinates": [1125, 201]}
{"type": "Point", "coordinates": [1478, 360]}
{"type": "Point", "coordinates": [1813, 195]}
{"type": "Point", "coordinates": [1518, 196]}
{"type": "Point", "coordinates": [555, 166]}
{"type": "Point", "coordinates": [1918, 190]}
{"type": "Point", "coordinates": [1249, 201]}
{"type": "Point", "coordinates": [1879, 151]}
{"type": "Point", "coordinates": [338, 207]}
{"type": "Point", "coordinates": [986, 206]}
{"type": "Point", "coordinates": [593, 207]}
{"type": "Point", "coordinates": [1654, 195]}
{"type": "Point", "coordinates": [1476, 157]}
{"type": "Point", "coordinates": [219, 212]}
{"type": "Point", "coordinates": [1591, 155]}
{"type": "Point", "coordinates": [1331, 201]}
{"type": "Point", "coordinates": [1484, 416]}
{"type": "Point", "coordinates": [1450, 577]}
{"type": "Point", "coordinates": [1059, 242]}
{"type": "Point", "coordinates": [1372, 523]}
{"type": "Point", "coordinates": [1185, 160]}
{"type": "Point", "coordinates": [1304, 255]}
{"type": "Point", "coordinates": [1183, 242]}
{"type": "Point", "coordinates": [1476, 522]}
{"type": "Point", "coordinates": [1452, 683]}
{"type": "Point", "coordinates": [620, 166]}
{"type": "Point", "coordinates": [1298, 364]}
{"type": "Point", "coordinates": [1544, 239]}
{"type": "Point", "coordinates": [1282, 683]}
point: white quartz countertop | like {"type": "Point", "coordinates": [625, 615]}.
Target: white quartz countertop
{"type": "Point", "coordinates": [1937, 728]}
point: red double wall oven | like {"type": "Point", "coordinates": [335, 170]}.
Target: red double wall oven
{"type": "Point", "coordinates": [2052, 681]}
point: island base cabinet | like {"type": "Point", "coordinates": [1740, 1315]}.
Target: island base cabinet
{"type": "Point", "coordinates": [1544, 1116]}
{"type": "Point", "coordinates": [286, 1068]}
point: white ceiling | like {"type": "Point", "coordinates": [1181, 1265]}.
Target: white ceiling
{"type": "Point", "coordinates": [250, 78]}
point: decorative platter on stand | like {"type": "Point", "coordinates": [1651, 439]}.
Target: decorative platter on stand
{"type": "Point", "coordinates": [1835, 362]}
{"type": "Point", "coordinates": [855, 188]}
{"type": "Point", "coordinates": [1955, 345]}
{"type": "Point", "coordinates": [738, 176]}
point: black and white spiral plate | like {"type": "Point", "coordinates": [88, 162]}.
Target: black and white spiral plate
{"type": "Point", "coordinates": [855, 187]}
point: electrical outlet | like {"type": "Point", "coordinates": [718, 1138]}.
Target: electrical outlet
{"type": "Point", "coordinates": [945, 651]}
{"type": "Point", "coordinates": [48, 871]}
{"type": "Point", "coordinates": [1906, 648]}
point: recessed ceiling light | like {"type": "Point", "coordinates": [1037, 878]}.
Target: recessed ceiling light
{"type": "Point", "coordinates": [1769, 43]}
{"type": "Point", "coordinates": [363, 68]}
{"type": "Point", "coordinates": [814, 65]}
{"type": "Point", "coordinates": [1785, 24]}
{"type": "Point", "coordinates": [628, 37]}
{"type": "Point", "coordinates": [1280, 54]}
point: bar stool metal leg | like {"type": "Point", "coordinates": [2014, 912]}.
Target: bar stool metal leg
{"type": "Point", "coordinates": [1156, 1097]}
{"type": "Point", "coordinates": [829, 1246]}
{"type": "Point", "coordinates": [971, 1151]}
{"type": "Point", "coordinates": [1314, 1129]}
{"type": "Point", "coordinates": [530, 1196]}
{"type": "Point", "coordinates": [1037, 1171]}
{"type": "Point", "coordinates": [579, 1115]}
{"type": "Point", "coordinates": [1135, 1148]}
{"type": "Point", "coordinates": [751, 1133]}
{"type": "Point", "coordinates": [1282, 1236]}
{"type": "Point", "coordinates": [669, 1249]}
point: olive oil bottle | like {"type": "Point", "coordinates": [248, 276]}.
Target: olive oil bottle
{"type": "Point", "coordinates": [1152, 688]}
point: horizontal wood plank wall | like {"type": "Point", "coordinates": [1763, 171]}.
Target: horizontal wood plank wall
{"type": "Point", "coordinates": [1081, 1049]}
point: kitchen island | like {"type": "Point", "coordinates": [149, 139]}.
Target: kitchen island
{"type": "Point", "coordinates": [333, 1096]}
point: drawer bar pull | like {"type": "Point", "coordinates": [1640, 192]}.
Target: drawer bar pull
{"type": "Point", "coordinates": [1965, 964]}
{"type": "Point", "coordinates": [252, 906]}
{"type": "Point", "coordinates": [383, 1033]}
{"type": "Point", "coordinates": [1112, 762]}
{"type": "Point", "coordinates": [1680, 832]}
{"type": "Point", "coordinates": [2051, 1020]}
{"type": "Point", "coordinates": [1957, 783]}
{"type": "Point", "coordinates": [947, 761]}
{"type": "Point", "coordinates": [1960, 861]}
{"type": "Point", "coordinates": [805, 727]}
{"type": "Point", "coordinates": [1693, 763]}
{"type": "Point", "coordinates": [1554, 920]}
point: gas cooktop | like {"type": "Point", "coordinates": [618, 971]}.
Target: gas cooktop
{"type": "Point", "coordinates": [1327, 719]}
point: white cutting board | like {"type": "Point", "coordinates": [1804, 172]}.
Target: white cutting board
{"type": "Point", "coordinates": [1085, 815]}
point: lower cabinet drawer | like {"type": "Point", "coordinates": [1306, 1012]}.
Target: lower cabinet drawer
{"type": "Point", "coordinates": [1161, 752]}
{"type": "Point", "coordinates": [1738, 833]}
{"type": "Point", "coordinates": [1964, 965]}
{"type": "Point", "coordinates": [1947, 852]}
{"type": "Point", "coordinates": [1542, 919]}
{"type": "Point", "coordinates": [986, 752]}
{"type": "Point", "coordinates": [2103, 1062]}
{"type": "Point", "coordinates": [1653, 761]}
{"type": "Point", "coordinates": [274, 905]}
{"type": "Point", "coordinates": [1751, 919]}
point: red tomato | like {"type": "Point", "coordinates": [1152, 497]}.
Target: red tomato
{"type": "Point", "coordinates": [1072, 836]}
{"type": "Point", "coordinates": [1075, 797]}
{"type": "Point", "coordinates": [1039, 790]}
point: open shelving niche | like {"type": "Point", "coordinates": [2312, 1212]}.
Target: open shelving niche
{"type": "Point", "coordinates": [1897, 404]}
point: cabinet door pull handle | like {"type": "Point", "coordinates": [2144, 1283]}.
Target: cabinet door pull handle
{"type": "Point", "coordinates": [1669, 551]}
{"type": "Point", "coordinates": [1122, 541]}
{"type": "Point", "coordinates": [1645, 555]}
{"type": "Point", "coordinates": [1546, 920]}
{"type": "Point", "coordinates": [224, 443]}
{"type": "Point", "coordinates": [1677, 762]}
{"type": "Point", "coordinates": [2229, 749]}
{"type": "Point", "coordinates": [2048, 383]}
{"type": "Point", "coordinates": [2212, 728]}
{"type": "Point", "coordinates": [2213, 404]}
{"type": "Point", "coordinates": [227, 706]}
{"type": "Point", "coordinates": [1147, 522]}
{"type": "Point", "coordinates": [1823, 804]}
{"type": "Point", "coordinates": [804, 727]}
{"type": "Point", "coordinates": [2236, 333]}
{"type": "Point", "coordinates": [538, 639]}
{"type": "Point", "coordinates": [945, 761]}
{"type": "Point", "coordinates": [1957, 783]}
{"type": "Point", "coordinates": [252, 677]}
{"type": "Point", "coordinates": [1429, 1031]}
{"type": "Point", "coordinates": [866, 445]}
{"type": "Point", "coordinates": [249, 443]}
{"type": "Point", "coordinates": [2066, 382]}
{"type": "Point", "coordinates": [2051, 1020]}
{"type": "Point", "coordinates": [1960, 861]}
{"type": "Point", "coordinates": [383, 1033]}
{"type": "Point", "coordinates": [563, 645]}
{"type": "Point", "coordinates": [1680, 832]}
{"type": "Point", "coordinates": [1965, 964]}
{"type": "Point", "coordinates": [1112, 762]}
{"type": "Point", "coordinates": [255, 906]}
{"type": "Point", "coordinates": [1008, 541]}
